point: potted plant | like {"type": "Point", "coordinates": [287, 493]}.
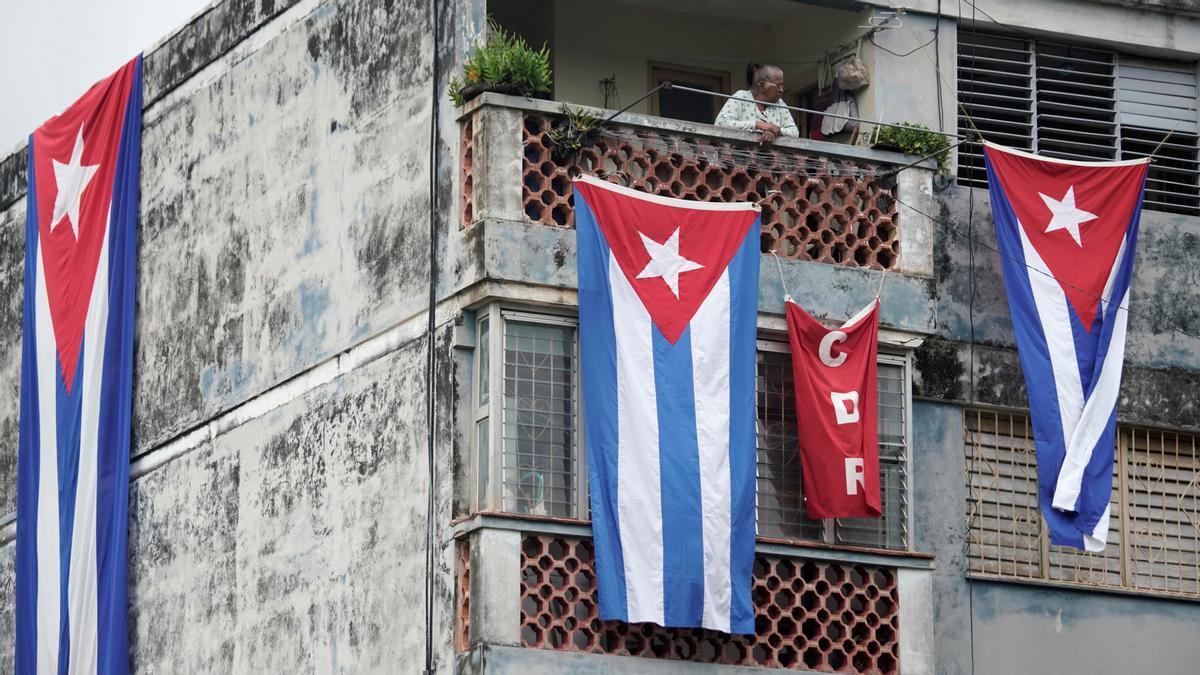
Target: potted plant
{"type": "Point", "coordinates": [504, 63]}
{"type": "Point", "coordinates": [576, 129]}
{"type": "Point", "coordinates": [916, 139]}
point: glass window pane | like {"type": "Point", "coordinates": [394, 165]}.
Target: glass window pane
{"type": "Point", "coordinates": [539, 460]}
{"type": "Point", "coordinates": [483, 442]}
{"type": "Point", "coordinates": [484, 365]}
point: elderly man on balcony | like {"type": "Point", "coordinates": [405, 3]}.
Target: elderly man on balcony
{"type": "Point", "coordinates": [748, 108]}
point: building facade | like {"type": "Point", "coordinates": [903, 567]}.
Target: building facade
{"type": "Point", "coordinates": [357, 334]}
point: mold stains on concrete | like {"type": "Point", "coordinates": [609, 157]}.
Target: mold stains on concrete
{"type": "Point", "coordinates": [12, 299]}
{"type": "Point", "coordinates": [205, 39]}
{"type": "Point", "coordinates": [12, 177]}
{"type": "Point", "coordinates": [293, 540]}
{"type": "Point", "coordinates": [937, 372]}
{"type": "Point", "coordinates": [361, 43]}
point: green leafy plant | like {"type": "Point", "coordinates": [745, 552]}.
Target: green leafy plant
{"type": "Point", "coordinates": [504, 63]}
{"type": "Point", "coordinates": [574, 130]}
{"type": "Point", "coordinates": [916, 140]}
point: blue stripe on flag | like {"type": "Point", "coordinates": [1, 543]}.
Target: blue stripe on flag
{"type": "Point", "coordinates": [598, 349]}
{"type": "Point", "coordinates": [27, 454]}
{"type": "Point", "coordinates": [679, 457]}
{"type": "Point", "coordinates": [1034, 354]}
{"type": "Point", "coordinates": [743, 442]}
{"type": "Point", "coordinates": [113, 437]}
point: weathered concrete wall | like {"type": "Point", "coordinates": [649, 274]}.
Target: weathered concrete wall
{"type": "Point", "coordinates": [1162, 364]}
{"type": "Point", "coordinates": [938, 502]}
{"type": "Point", "coordinates": [1164, 27]}
{"type": "Point", "coordinates": [1040, 630]}
{"type": "Point", "coordinates": [284, 235]}
{"type": "Point", "coordinates": [284, 211]}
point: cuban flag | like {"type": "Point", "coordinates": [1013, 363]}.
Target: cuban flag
{"type": "Point", "coordinates": [76, 382]}
{"type": "Point", "coordinates": [668, 312]}
{"type": "Point", "coordinates": [1067, 233]}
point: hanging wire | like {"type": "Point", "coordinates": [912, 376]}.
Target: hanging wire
{"type": "Point", "coordinates": [756, 158]}
{"type": "Point", "coordinates": [949, 227]}
{"type": "Point", "coordinates": [787, 296]}
{"type": "Point", "coordinates": [694, 90]}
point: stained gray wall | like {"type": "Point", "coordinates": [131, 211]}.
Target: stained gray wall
{"type": "Point", "coordinates": [1039, 630]}
{"type": "Point", "coordinates": [283, 277]}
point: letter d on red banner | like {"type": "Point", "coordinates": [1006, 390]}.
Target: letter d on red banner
{"type": "Point", "coordinates": [836, 411]}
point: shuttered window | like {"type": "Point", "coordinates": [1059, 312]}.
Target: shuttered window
{"type": "Point", "coordinates": [1154, 526]}
{"type": "Point", "coordinates": [1081, 103]}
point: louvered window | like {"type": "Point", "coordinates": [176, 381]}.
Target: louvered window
{"type": "Point", "coordinates": [1081, 103]}
{"type": "Point", "coordinates": [1154, 526]}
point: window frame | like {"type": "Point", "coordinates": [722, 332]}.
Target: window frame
{"type": "Point", "coordinates": [1129, 139]}
{"type": "Point", "coordinates": [659, 71]}
{"type": "Point", "coordinates": [489, 497]}
{"type": "Point", "coordinates": [497, 315]}
{"type": "Point", "coordinates": [1117, 569]}
{"type": "Point", "coordinates": [777, 343]}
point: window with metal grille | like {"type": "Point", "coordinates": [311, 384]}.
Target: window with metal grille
{"type": "Point", "coordinates": [780, 489]}
{"type": "Point", "coordinates": [1082, 103]}
{"type": "Point", "coordinates": [1153, 540]}
{"type": "Point", "coordinates": [536, 452]}
{"type": "Point", "coordinates": [528, 463]}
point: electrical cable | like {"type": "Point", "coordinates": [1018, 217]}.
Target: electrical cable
{"type": "Point", "coordinates": [905, 54]}
{"type": "Point", "coordinates": [957, 233]}
{"type": "Point", "coordinates": [760, 159]}
{"type": "Point", "coordinates": [937, 65]}
{"type": "Point", "coordinates": [706, 92]}
{"type": "Point", "coordinates": [431, 336]}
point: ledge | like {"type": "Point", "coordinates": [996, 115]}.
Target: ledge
{"type": "Point", "coordinates": [569, 527]}
{"type": "Point", "coordinates": [535, 255]}
{"type": "Point", "coordinates": [854, 152]}
{"type": "Point", "coordinates": [497, 660]}
{"type": "Point", "coordinates": [1075, 587]}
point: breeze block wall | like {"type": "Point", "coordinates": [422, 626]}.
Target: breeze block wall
{"type": "Point", "coordinates": [277, 511]}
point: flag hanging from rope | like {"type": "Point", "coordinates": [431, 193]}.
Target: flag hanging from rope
{"type": "Point", "coordinates": [1067, 233]}
{"type": "Point", "coordinates": [836, 412]}
{"type": "Point", "coordinates": [76, 382]}
{"type": "Point", "coordinates": [668, 305]}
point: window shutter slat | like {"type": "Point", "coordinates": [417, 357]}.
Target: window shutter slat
{"type": "Point", "coordinates": [1090, 104]}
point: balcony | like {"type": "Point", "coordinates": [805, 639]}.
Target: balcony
{"type": "Point", "coordinates": [822, 202]}
{"type": "Point", "coordinates": [526, 597]}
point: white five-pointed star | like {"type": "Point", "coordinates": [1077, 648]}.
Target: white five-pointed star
{"type": "Point", "coordinates": [72, 178]}
{"type": "Point", "coordinates": [666, 262]}
{"type": "Point", "coordinates": [1066, 215]}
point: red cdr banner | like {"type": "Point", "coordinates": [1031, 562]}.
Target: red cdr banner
{"type": "Point", "coordinates": [835, 404]}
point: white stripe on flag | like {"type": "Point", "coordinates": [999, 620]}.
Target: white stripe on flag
{"type": "Point", "coordinates": [1094, 420]}
{"type": "Point", "coordinates": [710, 381]}
{"type": "Point", "coordinates": [1095, 542]}
{"type": "Point", "coordinates": [48, 570]}
{"type": "Point", "coordinates": [81, 584]}
{"type": "Point", "coordinates": [1051, 304]}
{"type": "Point", "coordinates": [639, 486]}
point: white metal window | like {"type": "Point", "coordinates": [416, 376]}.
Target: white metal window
{"type": "Point", "coordinates": [780, 489]}
{"type": "Point", "coordinates": [528, 454]}
{"type": "Point", "coordinates": [1082, 103]}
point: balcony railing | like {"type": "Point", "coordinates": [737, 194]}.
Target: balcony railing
{"type": "Point", "coordinates": [828, 612]}
{"type": "Point", "coordinates": [821, 201]}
